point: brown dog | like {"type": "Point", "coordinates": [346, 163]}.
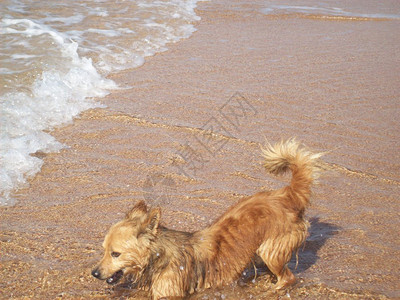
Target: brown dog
{"type": "Point", "coordinates": [171, 263]}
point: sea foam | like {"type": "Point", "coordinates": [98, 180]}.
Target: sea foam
{"type": "Point", "coordinates": [54, 65]}
{"type": "Point", "coordinates": [55, 98]}
{"type": "Point", "coordinates": [321, 10]}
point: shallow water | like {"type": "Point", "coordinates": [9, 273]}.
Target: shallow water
{"type": "Point", "coordinates": [54, 59]}
{"type": "Point", "coordinates": [332, 10]}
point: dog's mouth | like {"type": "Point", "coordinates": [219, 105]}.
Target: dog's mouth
{"type": "Point", "coordinates": [115, 277]}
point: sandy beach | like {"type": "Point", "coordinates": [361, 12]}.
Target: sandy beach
{"type": "Point", "coordinates": [248, 77]}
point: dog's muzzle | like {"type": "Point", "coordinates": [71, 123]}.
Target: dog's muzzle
{"type": "Point", "coordinates": [115, 277]}
{"type": "Point", "coordinates": [110, 280]}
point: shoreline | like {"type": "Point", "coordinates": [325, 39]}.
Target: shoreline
{"type": "Point", "coordinates": [309, 78]}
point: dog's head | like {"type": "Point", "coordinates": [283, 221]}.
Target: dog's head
{"type": "Point", "coordinates": [127, 244]}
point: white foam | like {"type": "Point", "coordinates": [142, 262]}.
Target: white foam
{"type": "Point", "coordinates": [56, 97]}
{"type": "Point", "coordinates": [29, 28]}
{"type": "Point", "coordinates": [330, 11]}
{"type": "Point", "coordinates": [75, 19]}
{"type": "Point", "coordinates": [161, 31]}
{"type": "Point", "coordinates": [105, 32]}
{"type": "Point", "coordinates": [49, 79]}
{"type": "Point", "coordinates": [22, 56]}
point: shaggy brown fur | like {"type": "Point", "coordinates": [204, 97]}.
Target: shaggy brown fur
{"type": "Point", "coordinates": [171, 263]}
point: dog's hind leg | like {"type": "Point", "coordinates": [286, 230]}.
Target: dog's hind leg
{"type": "Point", "coordinates": [276, 259]}
{"type": "Point", "coordinates": [285, 278]}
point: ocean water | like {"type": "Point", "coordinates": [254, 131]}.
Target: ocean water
{"type": "Point", "coordinates": [55, 56]}
{"type": "Point", "coordinates": [339, 9]}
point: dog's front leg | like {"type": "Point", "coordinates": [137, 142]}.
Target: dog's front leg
{"type": "Point", "coordinates": [166, 288]}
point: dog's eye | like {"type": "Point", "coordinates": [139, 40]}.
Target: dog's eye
{"type": "Point", "coordinates": [115, 254]}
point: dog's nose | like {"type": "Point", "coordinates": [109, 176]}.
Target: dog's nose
{"type": "Point", "coordinates": [96, 273]}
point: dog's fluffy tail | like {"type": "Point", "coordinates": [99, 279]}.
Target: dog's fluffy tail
{"type": "Point", "coordinates": [289, 155]}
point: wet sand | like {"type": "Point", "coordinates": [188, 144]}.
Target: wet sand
{"type": "Point", "coordinates": [332, 83]}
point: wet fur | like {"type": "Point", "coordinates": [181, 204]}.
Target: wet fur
{"type": "Point", "coordinates": [171, 263]}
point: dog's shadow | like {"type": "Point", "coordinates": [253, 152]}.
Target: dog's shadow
{"type": "Point", "coordinates": [319, 233]}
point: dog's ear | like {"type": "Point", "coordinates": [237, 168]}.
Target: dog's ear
{"type": "Point", "coordinates": [153, 219]}
{"type": "Point", "coordinates": [139, 209]}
